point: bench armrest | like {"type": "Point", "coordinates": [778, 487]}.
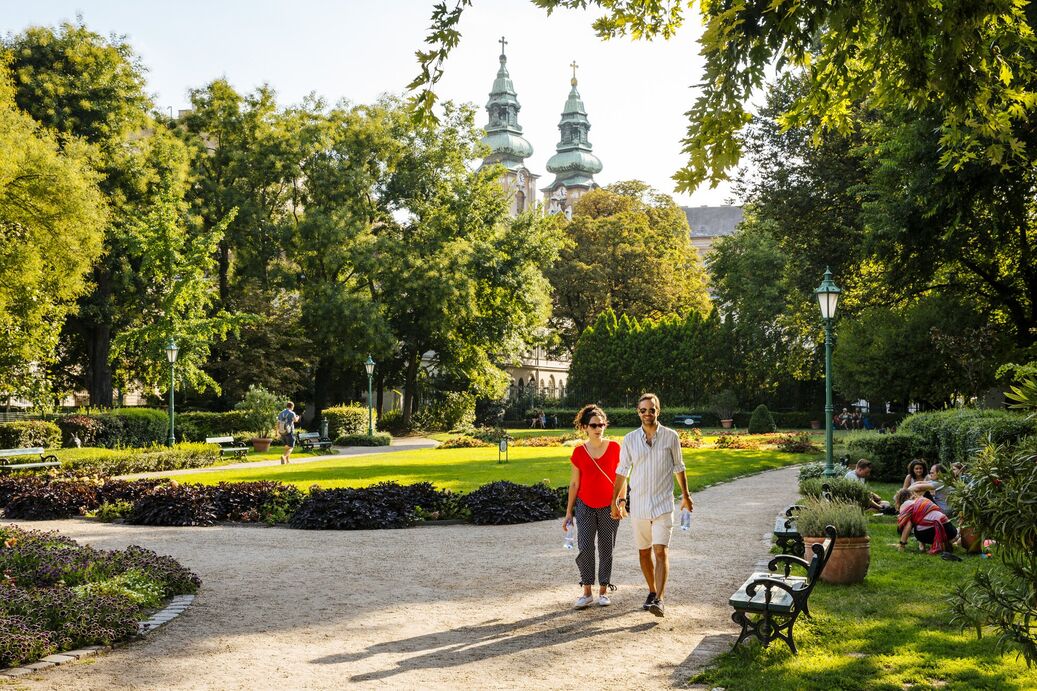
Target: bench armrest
{"type": "Point", "coordinates": [788, 560]}
{"type": "Point", "coordinates": [770, 584]}
{"type": "Point", "coordinates": [793, 510]}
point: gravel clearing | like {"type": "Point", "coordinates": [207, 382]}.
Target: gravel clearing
{"type": "Point", "coordinates": [448, 606]}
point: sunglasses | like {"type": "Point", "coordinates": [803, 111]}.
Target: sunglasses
{"type": "Point", "coordinates": [598, 425]}
{"type": "Point", "coordinates": [646, 410]}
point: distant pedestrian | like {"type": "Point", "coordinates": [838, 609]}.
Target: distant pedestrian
{"type": "Point", "coordinates": [286, 421]}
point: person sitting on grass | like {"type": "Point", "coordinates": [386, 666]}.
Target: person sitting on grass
{"type": "Point", "coordinates": [916, 471]}
{"type": "Point", "coordinates": [921, 516]}
{"type": "Point", "coordinates": [860, 473]}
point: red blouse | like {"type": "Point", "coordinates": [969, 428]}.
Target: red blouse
{"type": "Point", "coordinates": [595, 488]}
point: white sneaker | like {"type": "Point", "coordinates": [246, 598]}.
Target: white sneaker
{"type": "Point", "coordinates": [604, 601]}
{"type": "Point", "coordinates": [583, 602]}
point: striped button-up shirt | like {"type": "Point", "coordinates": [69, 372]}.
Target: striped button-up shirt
{"type": "Point", "coordinates": [650, 469]}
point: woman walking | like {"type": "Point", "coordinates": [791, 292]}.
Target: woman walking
{"type": "Point", "coordinates": [590, 500]}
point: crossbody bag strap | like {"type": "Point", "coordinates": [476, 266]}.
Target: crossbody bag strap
{"type": "Point", "coordinates": [595, 462]}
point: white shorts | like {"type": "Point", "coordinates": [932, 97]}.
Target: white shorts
{"type": "Point", "coordinates": [652, 531]}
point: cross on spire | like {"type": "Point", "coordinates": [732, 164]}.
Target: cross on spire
{"type": "Point", "coordinates": [502, 42]}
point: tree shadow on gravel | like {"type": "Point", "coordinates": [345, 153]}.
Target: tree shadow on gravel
{"type": "Point", "coordinates": [467, 644]}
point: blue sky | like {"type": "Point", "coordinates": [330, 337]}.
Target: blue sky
{"type": "Point", "coordinates": [635, 93]}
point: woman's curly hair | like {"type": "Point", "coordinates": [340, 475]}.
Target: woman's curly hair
{"type": "Point", "coordinates": [588, 411]}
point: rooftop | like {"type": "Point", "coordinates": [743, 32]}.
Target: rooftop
{"type": "Point", "coordinates": [712, 221]}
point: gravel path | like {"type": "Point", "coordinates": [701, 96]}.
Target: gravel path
{"type": "Point", "coordinates": [431, 607]}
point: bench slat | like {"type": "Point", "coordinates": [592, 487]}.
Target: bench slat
{"type": "Point", "coordinates": [32, 451]}
{"type": "Point", "coordinates": [781, 601]}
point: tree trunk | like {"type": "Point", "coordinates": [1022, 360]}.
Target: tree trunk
{"type": "Point", "coordinates": [410, 386]}
{"type": "Point", "coordinates": [321, 386]}
{"type": "Point", "coordinates": [99, 371]}
{"type": "Point", "coordinates": [380, 392]}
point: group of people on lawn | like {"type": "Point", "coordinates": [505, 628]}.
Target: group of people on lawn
{"type": "Point", "coordinates": [920, 505]}
{"type": "Point", "coordinates": [648, 460]}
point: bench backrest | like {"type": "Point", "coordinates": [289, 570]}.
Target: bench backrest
{"type": "Point", "coordinates": [822, 552]}
{"type": "Point", "coordinates": [310, 435]}
{"type": "Point", "coordinates": [219, 440]}
{"type": "Point", "coordinates": [33, 451]}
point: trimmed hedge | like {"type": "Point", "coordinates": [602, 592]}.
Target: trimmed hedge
{"type": "Point", "coordinates": [156, 458]}
{"type": "Point", "coordinates": [116, 429]}
{"type": "Point", "coordinates": [955, 436]}
{"type": "Point", "coordinates": [889, 453]}
{"type": "Point", "coordinates": [376, 439]}
{"type": "Point", "coordinates": [23, 434]}
{"type": "Point", "coordinates": [197, 426]}
{"type": "Point", "coordinates": [346, 420]}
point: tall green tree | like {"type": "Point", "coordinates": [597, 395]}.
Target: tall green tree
{"type": "Point", "coordinates": [52, 218]}
{"type": "Point", "coordinates": [90, 90]}
{"type": "Point", "coordinates": [628, 249]}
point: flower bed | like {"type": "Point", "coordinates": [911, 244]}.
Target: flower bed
{"type": "Point", "coordinates": [56, 595]}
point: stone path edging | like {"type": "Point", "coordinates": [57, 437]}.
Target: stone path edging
{"type": "Point", "coordinates": [171, 611]}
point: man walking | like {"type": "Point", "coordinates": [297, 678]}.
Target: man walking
{"type": "Point", "coordinates": [649, 459]}
{"type": "Point", "coordinates": [286, 420]}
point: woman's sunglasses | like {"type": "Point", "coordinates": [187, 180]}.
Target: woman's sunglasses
{"type": "Point", "coordinates": [646, 410]}
{"type": "Point", "coordinates": [598, 425]}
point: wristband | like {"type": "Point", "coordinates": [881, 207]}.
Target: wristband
{"type": "Point", "coordinates": [903, 543]}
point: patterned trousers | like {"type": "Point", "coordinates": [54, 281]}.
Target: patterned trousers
{"type": "Point", "coordinates": [591, 523]}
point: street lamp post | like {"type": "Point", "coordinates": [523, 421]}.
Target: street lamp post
{"type": "Point", "coordinates": [171, 352]}
{"type": "Point", "coordinates": [369, 366]}
{"type": "Point", "coordinates": [827, 299]}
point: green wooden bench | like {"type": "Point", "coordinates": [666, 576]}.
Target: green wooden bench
{"type": "Point", "coordinates": [768, 604]}
{"type": "Point", "coordinates": [312, 440]}
{"type": "Point", "coordinates": [228, 447]}
{"type": "Point", "coordinates": [45, 460]}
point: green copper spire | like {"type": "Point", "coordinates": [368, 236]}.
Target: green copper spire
{"type": "Point", "coordinates": [574, 164]}
{"type": "Point", "coordinates": [503, 133]}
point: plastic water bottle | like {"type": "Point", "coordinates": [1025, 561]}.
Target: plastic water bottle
{"type": "Point", "coordinates": [570, 535]}
{"type": "Point", "coordinates": [685, 519]}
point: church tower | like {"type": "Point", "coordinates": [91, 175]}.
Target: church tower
{"type": "Point", "coordinates": [507, 145]}
{"type": "Point", "coordinates": [574, 163]}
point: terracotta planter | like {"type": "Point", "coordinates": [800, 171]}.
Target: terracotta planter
{"type": "Point", "coordinates": [971, 541]}
{"type": "Point", "coordinates": [815, 424]}
{"type": "Point", "coordinates": [261, 445]}
{"type": "Point", "coordinates": [727, 424]}
{"type": "Point", "coordinates": [849, 561]}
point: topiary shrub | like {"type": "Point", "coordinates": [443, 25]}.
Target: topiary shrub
{"type": "Point", "coordinates": [391, 421]}
{"type": "Point", "coordinates": [175, 504]}
{"type": "Point", "coordinates": [888, 453]}
{"type": "Point", "coordinates": [197, 426]}
{"type": "Point", "coordinates": [345, 420]}
{"type": "Point", "coordinates": [761, 421]}
{"type": "Point", "coordinates": [841, 489]}
{"type": "Point", "coordinates": [505, 503]}
{"type": "Point", "coordinates": [376, 439]}
{"type": "Point", "coordinates": [86, 428]}
{"type": "Point", "coordinates": [23, 434]}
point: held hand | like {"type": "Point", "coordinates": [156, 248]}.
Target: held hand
{"type": "Point", "coordinates": [615, 511]}
{"type": "Point", "coordinates": [686, 503]}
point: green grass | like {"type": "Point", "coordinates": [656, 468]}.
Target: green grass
{"type": "Point", "coordinates": [467, 469]}
{"type": "Point", "coordinates": [890, 632]}
{"type": "Point", "coordinates": [94, 452]}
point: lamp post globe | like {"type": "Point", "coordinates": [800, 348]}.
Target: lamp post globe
{"type": "Point", "coordinates": [171, 351]}
{"type": "Point", "coordinates": [369, 366]}
{"type": "Point", "coordinates": [828, 299]}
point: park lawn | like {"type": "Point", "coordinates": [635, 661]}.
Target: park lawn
{"type": "Point", "coordinates": [890, 632]}
{"type": "Point", "coordinates": [97, 452]}
{"type": "Point", "coordinates": [466, 469]}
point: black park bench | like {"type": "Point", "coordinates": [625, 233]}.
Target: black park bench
{"type": "Point", "coordinates": [228, 447]}
{"type": "Point", "coordinates": [312, 440]}
{"type": "Point", "coordinates": [768, 603]}
{"type": "Point", "coordinates": [786, 533]}
{"type": "Point", "coordinates": [45, 460]}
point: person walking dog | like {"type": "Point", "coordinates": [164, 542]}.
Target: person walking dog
{"type": "Point", "coordinates": [590, 499]}
{"type": "Point", "coordinates": [650, 458]}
